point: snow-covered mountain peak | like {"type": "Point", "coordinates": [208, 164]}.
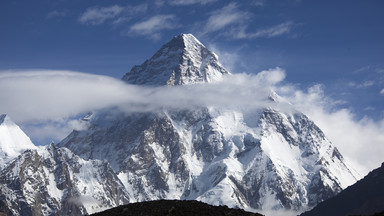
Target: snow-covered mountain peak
{"type": "Point", "coordinates": [183, 60]}
{"type": "Point", "coordinates": [13, 141]}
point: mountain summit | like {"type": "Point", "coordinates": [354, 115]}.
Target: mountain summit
{"type": "Point", "coordinates": [183, 60]}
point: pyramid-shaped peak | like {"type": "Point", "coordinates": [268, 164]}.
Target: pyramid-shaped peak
{"type": "Point", "coordinates": [183, 60]}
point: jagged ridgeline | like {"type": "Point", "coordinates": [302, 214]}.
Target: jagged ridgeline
{"type": "Point", "coordinates": [268, 159]}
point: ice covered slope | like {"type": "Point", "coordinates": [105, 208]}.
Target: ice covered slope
{"type": "Point", "coordinates": [13, 141]}
{"type": "Point", "coordinates": [183, 60]}
{"type": "Point", "coordinates": [265, 159]}
{"type": "Point", "coordinates": [54, 181]}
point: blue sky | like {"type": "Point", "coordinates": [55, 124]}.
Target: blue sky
{"type": "Point", "coordinates": [331, 50]}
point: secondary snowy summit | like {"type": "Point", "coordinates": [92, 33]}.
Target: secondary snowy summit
{"type": "Point", "coordinates": [13, 141]}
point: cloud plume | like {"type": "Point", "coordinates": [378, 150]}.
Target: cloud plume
{"type": "Point", "coordinates": [50, 95]}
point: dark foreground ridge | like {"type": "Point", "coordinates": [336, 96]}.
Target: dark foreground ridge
{"type": "Point", "coordinates": [366, 197]}
{"type": "Point", "coordinates": [173, 208]}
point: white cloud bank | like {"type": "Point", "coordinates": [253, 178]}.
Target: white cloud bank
{"type": "Point", "coordinates": [361, 141]}
{"type": "Point", "coordinates": [47, 100]}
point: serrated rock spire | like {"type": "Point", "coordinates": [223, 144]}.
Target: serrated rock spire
{"type": "Point", "coordinates": [183, 60]}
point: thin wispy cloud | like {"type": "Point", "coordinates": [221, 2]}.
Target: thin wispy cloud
{"type": "Point", "coordinates": [362, 69]}
{"type": "Point", "coordinates": [258, 3]}
{"type": "Point", "coordinates": [382, 91]}
{"type": "Point", "coordinates": [154, 25]}
{"type": "Point", "coordinates": [98, 15]}
{"type": "Point", "coordinates": [269, 32]}
{"type": "Point", "coordinates": [116, 14]}
{"type": "Point", "coordinates": [379, 70]}
{"type": "Point", "coordinates": [190, 2]}
{"type": "Point", "coordinates": [55, 14]}
{"type": "Point", "coordinates": [364, 84]}
{"type": "Point", "coordinates": [233, 22]}
{"type": "Point", "coordinates": [225, 17]}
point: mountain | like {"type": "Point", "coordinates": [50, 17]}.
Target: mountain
{"type": "Point", "coordinates": [173, 208]}
{"type": "Point", "coordinates": [265, 159]}
{"type": "Point", "coordinates": [13, 141]}
{"type": "Point", "coordinates": [54, 181]}
{"type": "Point", "coordinates": [366, 197]}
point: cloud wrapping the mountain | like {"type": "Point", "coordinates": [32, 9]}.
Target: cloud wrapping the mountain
{"type": "Point", "coordinates": [47, 103]}
{"type": "Point", "coordinates": [51, 95]}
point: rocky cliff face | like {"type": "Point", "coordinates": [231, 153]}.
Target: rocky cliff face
{"type": "Point", "coordinates": [54, 181]}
